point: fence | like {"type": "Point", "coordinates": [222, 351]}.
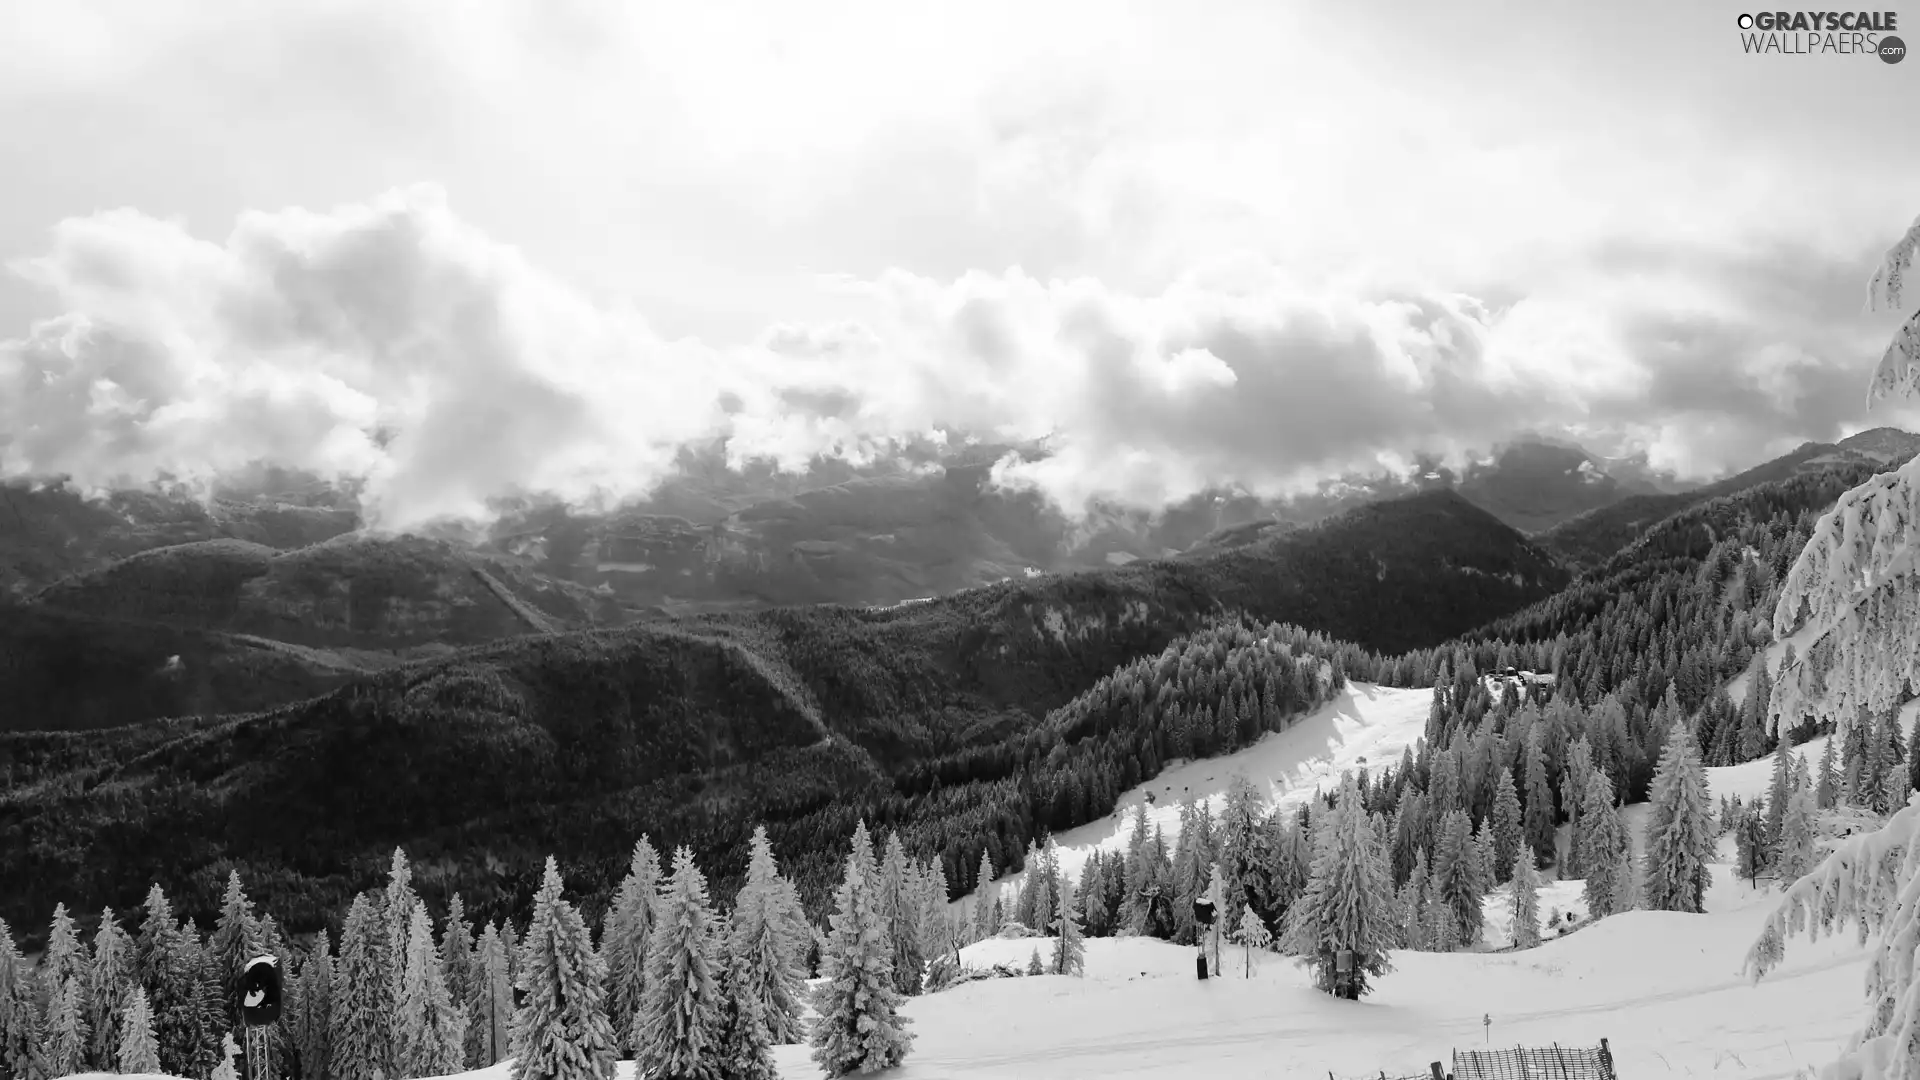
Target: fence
{"type": "Point", "coordinates": [1554, 1062]}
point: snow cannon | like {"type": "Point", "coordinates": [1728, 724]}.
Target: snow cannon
{"type": "Point", "coordinates": [260, 991]}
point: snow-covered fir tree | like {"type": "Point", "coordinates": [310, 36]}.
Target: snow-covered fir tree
{"type": "Point", "coordinates": [1525, 902]}
{"type": "Point", "coordinates": [1457, 882]}
{"type": "Point", "coordinates": [1751, 849]}
{"type": "Point", "coordinates": [624, 934]}
{"type": "Point", "coordinates": [1505, 818]}
{"type": "Point", "coordinates": [770, 968]}
{"type": "Point", "coordinates": [1573, 796]}
{"type": "Point", "coordinates": [1034, 966]}
{"type": "Point", "coordinates": [19, 1023]}
{"type": "Point", "coordinates": [1253, 937]}
{"type": "Point", "coordinates": [226, 1070]}
{"type": "Point", "coordinates": [1797, 850]}
{"type": "Point", "coordinates": [1604, 848]}
{"type": "Point", "coordinates": [138, 1050]}
{"type": "Point", "coordinates": [490, 1001]}
{"type": "Point", "coordinates": [983, 898]}
{"type": "Point", "coordinates": [859, 1028]}
{"type": "Point", "coordinates": [430, 1031]}
{"type": "Point", "coordinates": [1347, 907]}
{"type": "Point", "coordinates": [1826, 792]}
{"type": "Point", "coordinates": [744, 1048]}
{"type": "Point", "coordinates": [235, 940]}
{"type": "Point", "coordinates": [1779, 790]}
{"type": "Point", "coordinates": [1538, 817]}
{"type": "Point", "coordinates": [560, 1030]}
{"type": "Point", "coordinates": [1070, 946]}
{"type": "Point", "coordinates": [396, 916]}
{"type": "Point", "coordinates": [110, 979]}
{"type": "Point", "coordinates": [167, 968]}
{"type": "Point", "coordinates": [1679, 839]}
{"type": "Point", "coordinates": [456, 959]}
{"type": "Point", "coordinates": [900, 913]}
{"type": "Point", "coordinates": [313, 1021]}
{"type": "Point", "coordinates": [362, 1008]}
{"type": "Point", "coordinates": [64, 1049]}
{"type": "Point", "coordinates": [677, 1032]}
{"type": "Point", "coordinates": [1851, 591]}
{"type": "Point", "coordinates": [65, 956]}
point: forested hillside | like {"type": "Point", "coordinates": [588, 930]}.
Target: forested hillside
{"type": "Point", "coordinates": [929, 717]}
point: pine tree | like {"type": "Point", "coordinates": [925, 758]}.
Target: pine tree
{"type": "Point", "coordinates": [1525, 902]}
{"type": "Point", "coordinates": [983, 899]}
{"type": "Point", "coordinates": [1826, 793]}
{"type": "Point", "coordinates": [396, 916]}
{"type": "Point", "coordinates": [1779, 790]}
{"type": "Point", "coordinates": [768, 969]}
{"type": "Point", "coordinates": [1346, 908]}
{"type": "Point", "coordinates": [64, 1051]}
{"type": "Point", "coordinates": [362, 1010]}
{"type": "Point", "coordinates": [490, 1006]}
{"type": "Point", "coordinates": [1456, 877]}
{"type": "Point", "coordinates": [1539, 818]}
{"type": "Point", "coordinates": [314, 1030]}
{"type": "Point", "coordinates": [1796, 857]}
{"type": "Point", "coordinates": [1505, 818]}
{"type": "Point", "coordinates": [138, 1051]}
{"type": "Point", "coordinates": [677, 1033]}
{"type": "Point", "coordinates": [1034, 966]}
{"type": "Point", "coordinates": [1603, 847]}
{"type": "Point", "coordinates": [65, 957]}
{"type": "Point", "coordinates": [1070, 948]}
{"type": "Point", "coordinates": [901, 914]}
{"type": "Point", "coordinates": [1679, 840]}
{"type": "Point", "coordinates": [18, 1022]}
{"type": "Point", "coordinates": [165, 963]}
{"type": "Point", "coordinates": [560, 1030]}
{"type": "Point", "coordinates": [431, 1034]}
{"type": "Point", "coordinates": [1252, 936]}
{"type": "Point", "coordinates": [744, 1050]}
{"type": "Point", "coordinates": [235, 940]}
{"type": "Point", "coordinates": [624, 936]}
{"type": "Point", "coordinates": [228, 1051]}
{"type": "Point", "coordinates": [1750, 844]}
{"type": "Point", "coordinates": [859, 1027]}
{"type": "Point", "coordinates": [110, 978]}
{"type": "Point", "coordinates": [456, 957]}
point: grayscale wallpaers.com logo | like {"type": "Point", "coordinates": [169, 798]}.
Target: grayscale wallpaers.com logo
{"type": "Point", "coordinates": [1809, 33]}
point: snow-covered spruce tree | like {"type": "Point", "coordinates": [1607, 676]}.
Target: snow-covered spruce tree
{"type": "Point", "coordinates": [1796, 852]}
{"type": "Point", "coordinates": [900, 912]}
{"type": "Point", "coordinates": [362, 1010]}
{"type": "Point", "coordinates": [1505, 818]}
{"type": "Point", "coordinates": [1779, 790]}
{"type": "Point", "coordinates": [1252, 936]}
{"type": "Point", "coordinates": [431, 1033]}
{"type": "Point", "coordinates": [1456, 877]}
{"type": "Point", "coordinates": [1679, 838]}
{"type": "Point", "coordinates": [1346, 906]}
{"type": "Point", "coordinates": [138, 1051]}
{"type": "Point", "coordinates": [18, 1021]}
{"type": "Point", "coordinates": [983, 898]}
{"type": "Point", "coordinates": [456, 961]}
{"type": "Point", "coordinates": [164, 959]}
{"type": "Point", "coordinates": [1525, 902]}
{"type": "Point", "coordinates": [110, 978]}
{"type": "Point", "coordinates": [677, 1032]}
{"type": "Point", "coordinates": [313, 1027]}
{"type": "Point", "coordinates": [1070, 947]}
{"type": "Point", "coordinates": [396, 916]}
{"type": "Point", "coordinates": [560, 1031]}
{"type": "Point", "coordinates": [1603, 847]}
{"type": "Point", "coordinates": [229, 1050]}
{"type": "Point", "coordinates": [490, 1001]}
{"type": "Point", "coordinates": [744, 1050]}
{"type": "Point", "coordinates": [1034, 966]}
{"type": "Point", "coordinates": [759, 940]}
{"type": "Point", "coordinates": [1852, 594]}
{"type": "Point", "coordinates": [1539, 821]}
{"type": "Point", "coordinates": [859, 1029]}
{"type": "Point", "coordinates": [65, 956]}
{"type": "Point", "coordinates": [64, 1051]}
{"type": "Point", "coordinates": [235, 940]}
{"type": "Point", "coordinates": [623, 939]}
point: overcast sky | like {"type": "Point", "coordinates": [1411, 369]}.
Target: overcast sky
{"type": "Point", "coordinates": [473, 247]}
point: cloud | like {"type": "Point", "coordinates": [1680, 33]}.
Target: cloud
{"type": "Point", "coordinates": [393, 342]}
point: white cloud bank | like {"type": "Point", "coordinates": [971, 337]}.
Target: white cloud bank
{"type": "Point", "coordinates": [391, 341]}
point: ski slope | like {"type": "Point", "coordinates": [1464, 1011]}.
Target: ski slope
{"type": "Point", "coordinates": [1366, 726]}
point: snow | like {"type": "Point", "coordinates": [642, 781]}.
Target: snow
{"type": "Point", "coordinates": [1366, 726]}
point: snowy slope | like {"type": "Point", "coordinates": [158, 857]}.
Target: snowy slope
{"type": "Point", "coordinates": [1365, 726]}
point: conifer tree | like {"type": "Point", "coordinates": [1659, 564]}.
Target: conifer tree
{"type": "Point", "coordinates": [1796, 857]}
{"type": "Point", "coordinates": [64, 1051]}
{"type": "Point", "coordinates": [1505, 818]}
{"type": "Point", "coordinates": [678, 1029]}
{"type": "Point", "coordinates": [1253, 936]}
{"type": "Point", "coordinates": [314, 1021]}
{"type": "Point", "coordinates": [1070, 947]}
{"type": "Point", "coordinates": [396, 916]}
{"type": "Point", "coordinates": [1751, 856]}
{"type": "Point", "coordinates": [1779, 789]}
{"type": "Point", "coordinates": [66, 956]}
{"type": "Point", "coordinates": [490, 1004]}
{"type": "Point", "coordinates": [235, 940]}
{"type": "Point", "coordinates": [362, 1007]}
{"type": "Point", "coordinates": [229, 1050]}
{"type": "Point", "coordinates": [18, 1023]}
{"type": "Point", "coordinates": [1456, 878]}
{"type": "Point", "coordinates": [138, 1051]}
{"type": "Point", "coordinates": [1346, 906]}
{"type": "Point", "coordinates": [624, 935]}
{"type": "Point", "coordinates": [1573, 797]}
{"type": "Point", "coordinates": [900, 913]}
{"type": "Point", "coordinates": [456, 957]}
{"type": "Point", "coordinates": [744, 1050]}
{"type": "Point", "coordinates": [560, 1030]}
{"type": "Point", "coordinates": [859, 1027]}
{"type": "Point", "coordinates": [110, 978]}
{"type": "Point", "coordinates": [983, 899]}
{"type": "Point", "coordinates": [1539, 818]}
{"type": "Point", "coordinates": [768, 968]}
{"type": "Point", "coordinates": [1679, 840]}
{"type": "Point", "coordinates": [1603, 848]}
{"type": "Point", "coordinates": [165, 962]}
{"type": "Point", "coordinates": [1034, 966]}
{"type": "Point", "coordinates": [1826, 792]}
{"type": "Point", "coordinates": [1525, 908]}
{"type": "Point", "coordinates": [430, 1032]}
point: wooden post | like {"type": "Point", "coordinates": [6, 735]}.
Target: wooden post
{"type": "Point", "coordinates": [1438, 1072]}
